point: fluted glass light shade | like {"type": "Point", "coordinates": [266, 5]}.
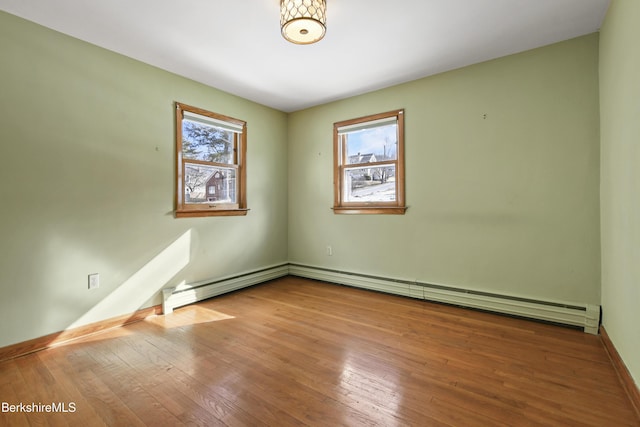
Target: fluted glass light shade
{"type": "Point", "coordinates": [303, 21]}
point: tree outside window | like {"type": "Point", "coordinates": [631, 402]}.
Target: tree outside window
{"type": "Point", "coordinates": [211, 164]}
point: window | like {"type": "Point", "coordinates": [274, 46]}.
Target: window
{"type": "Point", "coordinates": [368, 157]}
{"type": "Point", "coordinates": [211, 163]}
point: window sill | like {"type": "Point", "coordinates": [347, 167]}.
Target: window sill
{"type": "Point", "coordinates": [373, 210]}
{"type": "Point", "coordinates": [218, 212]}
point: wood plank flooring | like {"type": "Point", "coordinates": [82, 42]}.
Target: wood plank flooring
{"type": "Point", "coordinates": [296, 352]}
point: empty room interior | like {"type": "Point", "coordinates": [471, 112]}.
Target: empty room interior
{"type": "Point", "coordinates": [493, 283]}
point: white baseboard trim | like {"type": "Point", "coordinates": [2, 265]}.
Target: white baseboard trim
{"type": "Point", "coordinates": [188, 294]}
{"type": "Point", "coordinates": [584, 316]}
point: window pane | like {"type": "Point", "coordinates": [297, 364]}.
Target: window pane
{"type": "Point", "coordinates": [208, 143]}
{"type": "Point", "coordinates": [372, 145]}
{"type": "Point", "coordinates": [373, 184]}
{"type": "Point", "coordinates": [206, 184]}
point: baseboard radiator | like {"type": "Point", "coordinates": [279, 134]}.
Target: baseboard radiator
{"type": "Point", "coordinates": [194, 292]}
{"type": "Point", "coordinates": [584, 316]}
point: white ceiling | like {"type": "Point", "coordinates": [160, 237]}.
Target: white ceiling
{"type": "Point", "coordinates": [236, 46]}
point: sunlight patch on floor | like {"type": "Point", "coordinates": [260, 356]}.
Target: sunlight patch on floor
{"type": "Point", "coordinates": [189, 315]}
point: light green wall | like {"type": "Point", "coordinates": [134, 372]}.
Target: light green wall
{"type": "Point", "coordinates": [506, 204]}
{"type": "Point", "coordinates": [620, 179]}
{"type": "Point", "coordinates": [87, 185]}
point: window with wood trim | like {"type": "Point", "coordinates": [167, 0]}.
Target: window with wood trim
{"type": "Point", "coordinates": [210, 163]}
{"type": "Point", "coordinates": [368, 157]}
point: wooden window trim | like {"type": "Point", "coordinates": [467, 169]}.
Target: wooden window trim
{"type": "Point", "coordinates": [396, 207]}
{"type": "Point", "coordinates": [184, 210]}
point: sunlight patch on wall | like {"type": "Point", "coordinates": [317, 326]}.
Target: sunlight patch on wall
{"type": "Point", "coordinates": [141, 286]}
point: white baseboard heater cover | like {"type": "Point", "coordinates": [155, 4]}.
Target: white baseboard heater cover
{"type": "Point", "coordinates": [584, 316]}
{"type": "Point", "coordinates": [174, 297]}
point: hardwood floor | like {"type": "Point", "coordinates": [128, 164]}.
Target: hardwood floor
{"type": "Point", "coordinates": [299, 352]}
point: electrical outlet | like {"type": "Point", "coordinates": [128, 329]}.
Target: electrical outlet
{"type": "Point", "coordinates": [94, 281]}
{"type": "Point", "coordinates": [329, 251]}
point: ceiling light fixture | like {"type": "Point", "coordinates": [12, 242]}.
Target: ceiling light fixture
{"type": "Point", "coordinates": [303, 21]}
